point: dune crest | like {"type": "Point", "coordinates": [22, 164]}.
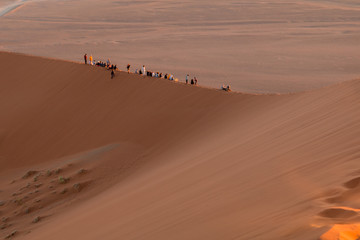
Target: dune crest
{"type": "Point", "coordinates": [146, 158]}
{"type": "Point", "coordinates": [273, 47]}
{"type": "Point", "coordinates": [4, 10]}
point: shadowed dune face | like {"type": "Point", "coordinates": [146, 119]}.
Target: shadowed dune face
{"type": "Point", "coordinates": [83, 96]}
{"type": "Point", "coordinates": [255, 46]}
{"type": "Point", "coordinates": [146, 158]}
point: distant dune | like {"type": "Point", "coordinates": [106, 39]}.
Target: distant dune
{"type": "Point", "coordinates": [84, 156]}
{"type": "Point", "coordinates": [256, 46]}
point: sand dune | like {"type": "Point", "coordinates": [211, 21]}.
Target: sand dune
{"type": "Point", "coordinates": [11, 7]}
{"type": "Point", "coordinates": [87, 157]}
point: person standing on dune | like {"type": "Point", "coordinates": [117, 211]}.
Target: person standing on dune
{"type": "Point", "coordinates": [128, 68]}
{"type": "Point", "coordinates": [187, 79]}
{"type": "Point", "coordinates": [143, 70]}
{"type": "Point", "coordinates": [85, 58]}
{"type": "Point", "coordinates": [91, 60]}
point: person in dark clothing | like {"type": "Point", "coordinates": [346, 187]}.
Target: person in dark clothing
{"type": "Point", "coordinates": [85, 58]}
{"type": "Point", "coordinates": [195, 80]}
{"type": "Point", "coordinates": [112, 74]}
{"type": "Point", "coordinates": [192, 82]}
{"type": "Point", "coordinates": [128, 68]}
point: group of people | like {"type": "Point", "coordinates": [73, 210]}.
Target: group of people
{"type": "Point", "coordinates": [107, 65]}
{"type": "Point", "coordinates": [143, 71]}
{"type": "Point", "coordinates": [193, 81]}
{"type": "Point", "coordinates": [90, 60]}
{"type": "Point", "coordinates": [226, 89]}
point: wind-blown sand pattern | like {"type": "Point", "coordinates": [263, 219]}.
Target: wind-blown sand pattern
{"type": "Point", "coordinates": [87, 157]}
{"type": "Point", "coordinates": [255, 46]}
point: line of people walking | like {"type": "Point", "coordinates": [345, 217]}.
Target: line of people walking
{"type": "Point", "coordinates": [142, 71]}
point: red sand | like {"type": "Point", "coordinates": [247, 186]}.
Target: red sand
{"type": "Point", "coordinates": [144, 158]}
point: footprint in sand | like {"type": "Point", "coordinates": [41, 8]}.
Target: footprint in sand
{"type": "Point", "coordinates": [338, 213]}
{"type": "Point", "coordinates": [350, 196]}
{"type": "Point", "coordinates": [353, 183]}
{"type": "Point", "coordinates": [344, 216]}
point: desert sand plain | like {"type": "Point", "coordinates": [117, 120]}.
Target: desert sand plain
{"type": "Point", "coordinates": [255, 46]}
{"type": "Point", "coordinates": [84, 156]}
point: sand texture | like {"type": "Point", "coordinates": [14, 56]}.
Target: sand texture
{"type": "Point", "coordinates": [255, 46]}
{"type": "Point", "coordinates": [84, 156]}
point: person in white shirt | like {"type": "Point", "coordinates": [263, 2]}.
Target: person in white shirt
{"type": "Point", "coordinates": [143, 70]}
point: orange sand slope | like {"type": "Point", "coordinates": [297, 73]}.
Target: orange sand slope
{"type": "Point", "coordinates": [86, 157]}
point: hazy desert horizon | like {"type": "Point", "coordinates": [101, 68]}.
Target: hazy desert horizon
{"type": "Point", "coordinates": [255, 46]}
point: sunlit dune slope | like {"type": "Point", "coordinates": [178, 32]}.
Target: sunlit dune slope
{"type": "Point", "coordinates": [205, 164]}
